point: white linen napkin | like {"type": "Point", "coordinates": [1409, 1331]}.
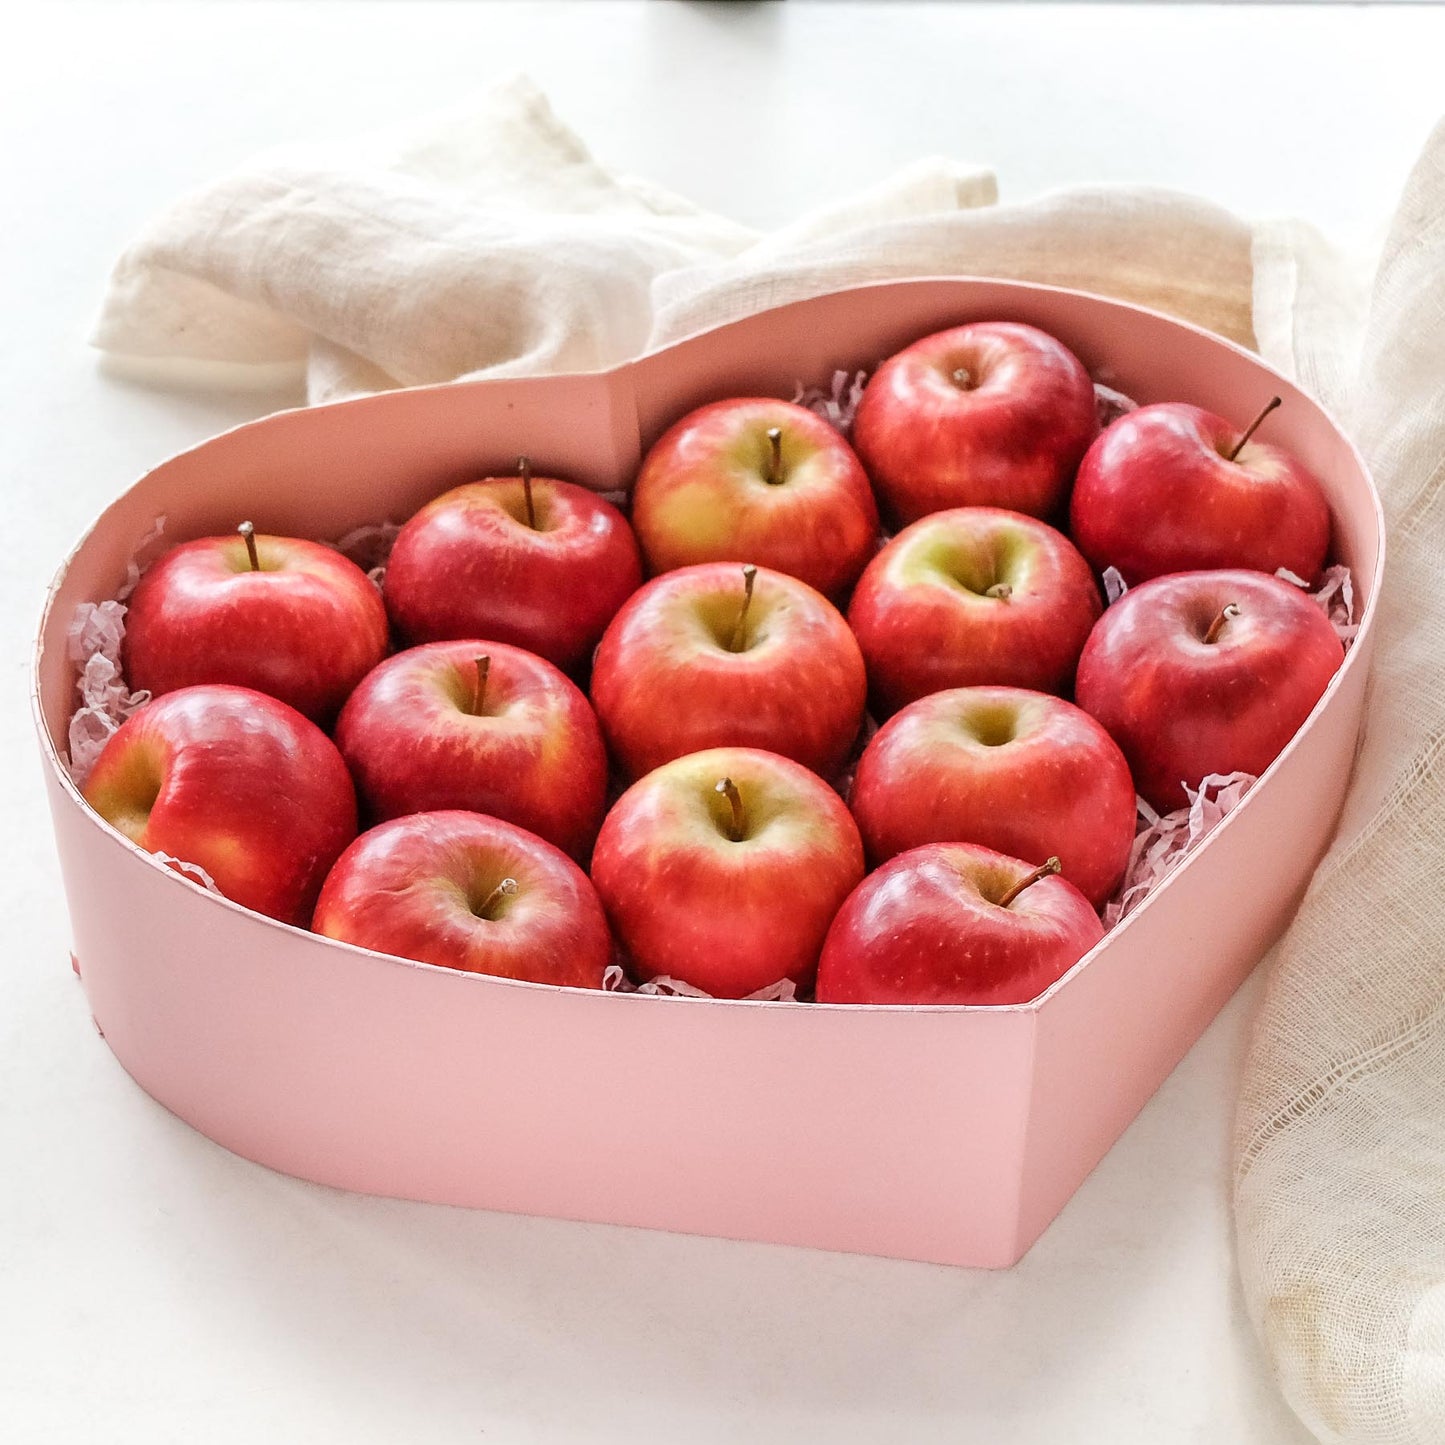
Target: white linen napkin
{"type": "Point", "coordinates": [489, 242]}
{"type": "Point", "coordinates": [484, 240]}
{"type": "Point", "coordinates": [1340, 1140]}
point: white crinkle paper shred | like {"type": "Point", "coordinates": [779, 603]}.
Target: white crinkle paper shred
{"type": "Point", "coordinates": [837, 403]}
{"type": "Point", "coordinates": [614, 980]}
{"type": "Point", "coordinates": [1164, 841]}
{"type": "Point", "coordinates": [1110, 404]}
{"type": "Point", "coordinates": [369, 547]}
{"type": "Point", "coordinates": [140, 559]}
{"type": "Point", "coordinates": [192, 871]}
{"type": "Point", "coordinates": [1335, 596]}
{"type": "Point", "coordinates": [94, 641]}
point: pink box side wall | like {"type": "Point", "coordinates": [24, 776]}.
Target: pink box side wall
{"type": "Point", "coordinates": [679, 1114]}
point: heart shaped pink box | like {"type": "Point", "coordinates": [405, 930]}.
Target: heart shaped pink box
{"type": "Point", "coordinates": [944, 1134]}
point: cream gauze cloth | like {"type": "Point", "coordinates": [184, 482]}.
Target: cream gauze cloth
{"type": "Point", "coordinates": [489, 243]}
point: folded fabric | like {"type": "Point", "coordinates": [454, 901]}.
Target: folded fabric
{"type": "Point", "coordinates": [485, 241]}
{"type": "Point", "coordinates": [1340, 1141]}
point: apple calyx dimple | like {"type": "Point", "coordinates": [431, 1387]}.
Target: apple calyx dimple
{"type": "Point", "coordinates": [1045, 869]}
{"type": "Point", "coordinates": [960, 576]}
{"type": "Point", "coordinates": [991, 727]}
{"type": "Point", "coordinates": [773, 476]}
{"type": "Point", "coordinates": [505, 889]}
{"type": "Point", "coordinates": [735, 641]}
{"type": "Point", "coordinates": [1253, 427]}
{"type": "Point", "coordinates": [1229, 610]}
{"type": "Point", "coordinates": [248, 536]}
{"type": "Point", "coordinates": [738, 824]}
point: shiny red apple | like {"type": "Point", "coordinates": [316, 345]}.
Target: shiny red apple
{"type": "Point", "coordinates": [463, 891]}
{"type": "Point", "coordinates": [536, 562]}
{"type": "Point", "coordinates": [992, 414]}
{"type": "Point", "coordinates": [976, 595]}
{"type": "Point", "coordinates": [1174, 488]}
{"type": "Point", "coordinates": [286, 617]}
{"type": "Point", "coordinates": [238, 784]}
{"type": "Point", "coordinates": [725, 656]}
{"type": "Point", "coordinates": [756, 480]}
{"type": "Point", "coordinates": [724, 869]}
{"type": "Point", "coordinates": [1205, 672]}
{"type": "Point", "coordinates": [1023, 773]}
{"type": "Point", "coordinates": [953, 923]}
{"type": "Point", "coordinates": [479, 726]}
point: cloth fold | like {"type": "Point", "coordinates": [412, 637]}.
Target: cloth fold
{"type": "Point", "coordinates": [1154, 247]}
{"type": "Point", "coordinates": [489, 242]}
{"type": "Point", "coordinates": [1340, 1142]}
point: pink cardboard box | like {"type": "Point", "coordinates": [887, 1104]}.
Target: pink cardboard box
{"type": "Point", "coordinates": [945, 1134]}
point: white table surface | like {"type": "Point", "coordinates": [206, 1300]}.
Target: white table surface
{"type": "Point", "coordinates": [154, 1288]}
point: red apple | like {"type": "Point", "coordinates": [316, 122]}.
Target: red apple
{"type": "Point", "coordinates": [1174, 488]}
{"type": "Point", "coordinates": [1205, 672]}
{"type": "Point", "coordinates": [477, 562]}
{"type": "Point", "coordinates": [725, 656]}
{"type": "Point", "coordinates": [953, 923]}
{"type": "Point", "coordinates": [723, 869]}
{"type": "Point", "coordinates": [973, 596]}
{"type": "Point", "coordinates": [290, 618]}
{"type": "Point", "coordinates": [993, 414]}
{"type": "Point", "coordinates": [480, 726]}
{"type": "Point", "coordinates": [1025, 774]}
{"type": "Point", "coordinates": [757, 480]}
{"type": "Point", "coordinates": [462, 891]}
{"type": "Point", "coordinates": [236, 783]}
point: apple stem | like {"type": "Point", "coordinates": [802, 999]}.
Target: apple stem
{"type": "Point", "coordinates": [729, 790]}
{"type": "Point", "coordinates": [524, 470]}
{"type": "Point", "coordinates": [248, 535]}
{"type": "Point", "coordinates": [1045, 869]}
{"type": "Point", "coordinates": [735, 642]}
{"type": "Point", "coordinates": [1230, 609]}
{"type": "Point", "coordinates": [479, 690]}
{"type": "Point", "coordinates": [775, 456]}
{"type": "Point", "coordinates": [962, 378]}
{"type": "Point", "coordinates": [1001, 590]}
{"type": "Point", "coordinates": [1253, 427]}
{"type": "Point", "coordinates": [504, 889]}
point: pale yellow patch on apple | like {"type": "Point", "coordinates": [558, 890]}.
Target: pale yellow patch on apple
{"type": "Point", "coordinates": [969, 565]}
{"type": "Point", "coordinates": [696, 514]}
{"type": "Point", "coordinates": [125, 789]}
{"type": "Point", "coordinates": [1262, 460]}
